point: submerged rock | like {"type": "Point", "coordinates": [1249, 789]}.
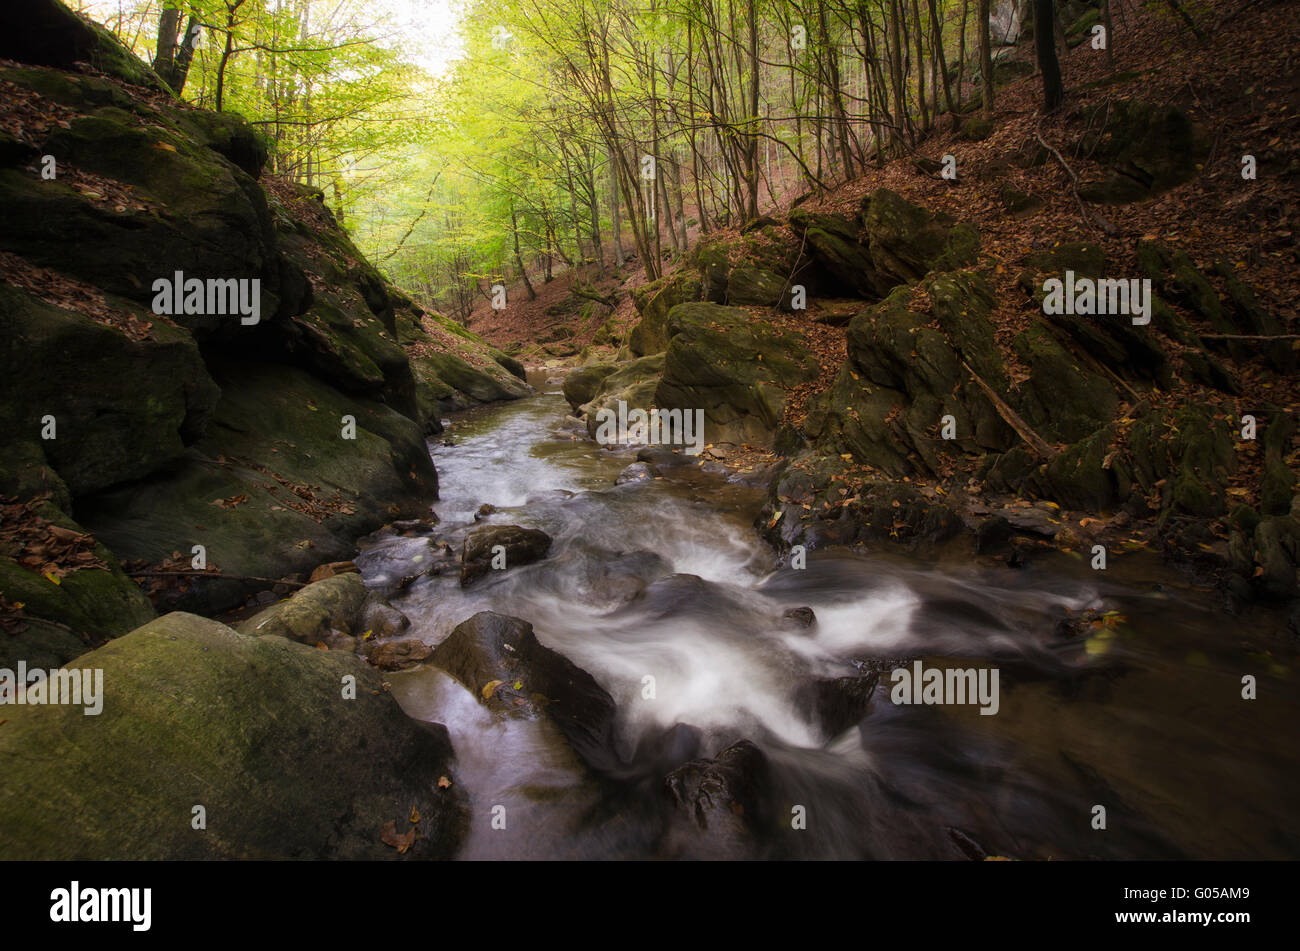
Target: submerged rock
{"type": "Point", "coordinates": [637, 472]}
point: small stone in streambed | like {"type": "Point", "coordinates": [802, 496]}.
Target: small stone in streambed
{"type": "Point", "coordinates": [802, 618]}
{"type": "Point", "coordinates": [637, 472]}
{"type": "Point", "coordinates": [333, 568]}
{"type": "Point", "coordinates": [837, 703]}
{"type": "Point", "coordinates": [522, 546]}
{"type": "Point", "coordinates": [484, 511]}
{"type": "Point", "coordinates": [383, 620]}
{"type": "Point", "coordinates": [662, 458]}
{"type": "Point", "coordinates": [336, 641]}
{"type": "Point", "coordinates": [993, 535]}
{"type": "Point", "coordinates": [394, 655]}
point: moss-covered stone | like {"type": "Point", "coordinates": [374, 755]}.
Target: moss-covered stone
{"type": "Point", "coordinates": [287, 761]}
{"type": "Point", "coordinates": [733, 367]}
{"type": "Point", "coordinates": [1060, 399]}
{"type": "Point", "coordinates": [1151, 149]}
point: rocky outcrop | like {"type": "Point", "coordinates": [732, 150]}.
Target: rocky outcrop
{"type": "Point", "coordinates": [271, 429]}
{"type": "Point", "coordinates": [213, 744]}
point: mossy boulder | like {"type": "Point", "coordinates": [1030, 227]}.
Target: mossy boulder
{"type": "Point", "coordinates": [653, 301]}
{"type": "Point", "coordinates": [907, 241]}
{"type": "Point", "coordinates": [124, 405]}
{"type": "Point", "coordinates": [1061, 399]}
{"type": "Point", "coordinates": [1150, 149]}
{"type": "Point", "coordinates": [734, 367]}
{"type": "Point", "coordinates": [47, 33]}
{"type": "Point", "coordinates": [292, 752]}
{"type": "Point", "coordinates": [582, 384]}
{"type": "Point", "coordinates": [63, 619]}
{"type": "Point", "coordinates": [273, 487]}
{"type": "Point", "coordinates": [331, 605]}
{"type": "Point", "coordinates": [632, 382]}
{"type": "Point", "coordinates": [841, 253]}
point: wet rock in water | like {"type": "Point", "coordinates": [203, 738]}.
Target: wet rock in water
{"type": "Point", "coordinates": [522, 546]}
{"type": "Point", "coordinates": [663, 458]}
{"type": "Point", "coordinates": [484, 511]}
{"type": "Point", "coordinates": [308, 617]}
{"type": "Point", "coordinates": [333, 568]}
{"type": "Point", "coordinates": [383, 620]}
{"type": "Point", "coordinates": [256, 729]}
{"type": "Point", "coordinates": [412, 527]}
{"type": "Point", "coordinates": [993, 536]}
{"type": "Point", "coordinates": [837, 703]}
{"type": "Point", "coordinates": [499, 659]}
{"type": "Point", "coordinates": [717, 804]}
{"type": "Point", "coordinates": [394, 655]}
{"type": "Point", "coordinates": [637, 472]}
{"type": "Point", "coordinates": [802, 618]}
{"type": "Point", "coordinates": [661, 753]}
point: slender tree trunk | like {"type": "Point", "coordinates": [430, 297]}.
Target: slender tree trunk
{"type": "Point", "coordinates": [986, 54]}
{"type": "Point", "coordinates": [1048, 65]}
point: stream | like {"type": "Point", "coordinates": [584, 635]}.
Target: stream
{"type": "Point", "coordinates": [668, 580]}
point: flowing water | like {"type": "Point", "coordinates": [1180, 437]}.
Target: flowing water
{"type": "Point", "coordinates": [668, 580]}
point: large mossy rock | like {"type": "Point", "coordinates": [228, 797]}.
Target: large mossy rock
{"type": "Point", "coordinates": [583, 383]}
{"type": "Point", "coordinates": [124, 405]}
{"type": "Point", "coordinates": [499, 659]}
{"type": "Point", "coordinates": [1150, 148]}
{"type": "Point", "coordinates": [632, 382]}
{"type": "Point", "coordinates": [836, 243]}
{"type": "Point", "coordinates": [907, 241]}
{"type": "Point", "coordinates": [209, 219]}
{"type": "Point", "coordinates": [273, 487]}
{"type": "Point", "coordinates": [653, 301]}
{"type": "Point", "coordinates": [903, 377]}
{"type": "Point", "coordinates": [256, 730]}
{"type": "Point", "coordinates": [736, 368]}
{"type": "Point", "coordinates": [1062, 400]}
{"type": "Point", "coordinates": [47, 33]}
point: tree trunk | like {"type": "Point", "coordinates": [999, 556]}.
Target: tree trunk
{"type": "Point", "coordinates": [164, 60]}
{"type": "Point", "coordinates": [986, 53]}
{"type": "Point", "coordinates": [1048, 64]}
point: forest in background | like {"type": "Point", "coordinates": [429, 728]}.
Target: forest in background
{"type": "Point", "coordinates": [576, 132]}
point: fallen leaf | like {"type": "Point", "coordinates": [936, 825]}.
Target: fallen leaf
{"type": "Point", "coordinates": [402, 842]}
{"type": "Point", "coordinates": [490, 687]}
{"type": "Point", "coordinates": [444, 782]}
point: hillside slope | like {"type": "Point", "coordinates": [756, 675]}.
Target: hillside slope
{"type": "Point", "coordinates": [135, 431]}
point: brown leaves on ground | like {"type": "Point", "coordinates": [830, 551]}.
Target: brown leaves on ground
{"type": "Point", "coordinates": [72, 295]}
{"type": "Point", "coordinates": [42, 547]}
{"type": "Point", "coordinates": [157, 583]}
